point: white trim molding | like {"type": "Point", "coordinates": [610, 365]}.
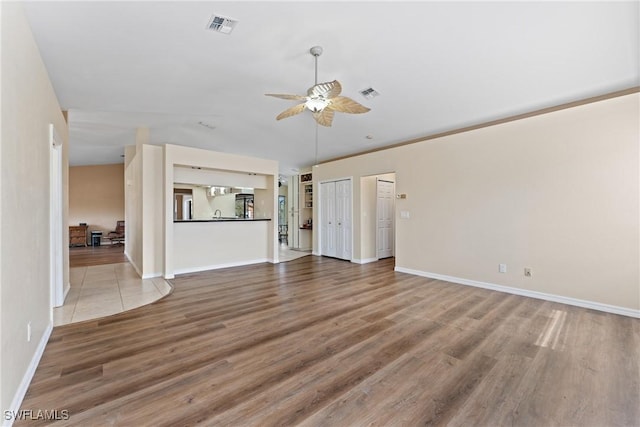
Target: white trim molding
{"type": "Point", "coordinates": [28, 375]}
{"type": "Point", "coordinates": [151, 275]}
{"type": "Point", "coordinates": [364, 261]}
{"type": "Point", "coordinates": [219, 266]}
{"type": "Point", "coordinates": [527, 293]}
{"type": "Point", "coordinates": [133, 264]}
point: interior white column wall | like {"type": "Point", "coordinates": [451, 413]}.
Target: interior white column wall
{"type": "Point", "coordinates": [134, 186]}
{"type": "Point", "coordinates": [152, 230]}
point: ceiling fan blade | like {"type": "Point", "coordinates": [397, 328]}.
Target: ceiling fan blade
{"type": "Point", "coordinates": [324, 117]}
{"type": "Point", "coordinates": [325, 90]}
{"type": "Point", "coordinates": [343, 104]}
{"type": "Point", "coordinates": [284, 96]}
{"type": "Point", "coordinates": [296, 109]}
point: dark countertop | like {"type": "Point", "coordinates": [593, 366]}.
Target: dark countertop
{"type": "Point", "coordinates": [222, 220]}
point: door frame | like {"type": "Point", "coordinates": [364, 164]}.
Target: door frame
{"type": "Point", "coordinates": [318, 233]}
{"type": "Point", "coordinates": [56, 264]}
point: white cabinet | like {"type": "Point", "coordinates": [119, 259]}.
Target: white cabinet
{"type": "Point", "coordinates": [335, 219]}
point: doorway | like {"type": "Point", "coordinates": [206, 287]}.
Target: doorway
{"type": "Point", "coordinates": [282, 220]}
{"type": "Point", "coordinates": [182, 204]}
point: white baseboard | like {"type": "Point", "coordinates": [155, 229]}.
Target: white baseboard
{"type": "Point", "coordinates": [527, 293]}
{"type": "Point", "coordinates": [28, 376]}
{"type": "Point", "coordinates": [135, 267]}
{"type": "Point", "coordinates": [219, 266]}
{"type": "Point", "coordinates": [364, 261]}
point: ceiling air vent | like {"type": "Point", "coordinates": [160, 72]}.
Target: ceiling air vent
{"type": "Point", "coordinates": [221, 24]}
{"type": "Point", "coordinates": [369, 93]}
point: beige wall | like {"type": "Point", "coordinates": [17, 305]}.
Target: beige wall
{"type": "Point", "coordinates": [558, 193]}
{"type": "Point", "coordinates": [96, 196]}
{"type": "Point", "coordinates": [29, 105]}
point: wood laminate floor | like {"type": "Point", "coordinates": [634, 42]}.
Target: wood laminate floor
{"type": "Point", "coordinates": [80, 256]}
{"type": "Point", "coordinates": [322, 342]}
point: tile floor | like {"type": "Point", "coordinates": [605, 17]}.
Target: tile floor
{"type": "Point", "coordinates": [285, 254]}
{"type": "Point", "coordinates": [103, 290]}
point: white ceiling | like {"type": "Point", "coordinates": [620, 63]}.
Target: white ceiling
{"type": "Point", "coordinates": [438, 66]}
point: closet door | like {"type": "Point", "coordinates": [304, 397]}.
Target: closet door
{"type": "Point", "coordinates": [343, 219]}
{"type": "Point", "coordinates": [328, 218]}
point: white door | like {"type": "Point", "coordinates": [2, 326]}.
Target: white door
{"type": "Point", "coordinates": [385, 217]}
{"type": "Point", "coordinates": [343, 219]}
{"type": "Point", "coordinates": [335, 219]}
{"type": "Point", "coordinates": [328, 218]}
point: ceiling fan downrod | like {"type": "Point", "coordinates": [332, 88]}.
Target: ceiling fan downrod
{"type": "Point", "coordinates": [316, 51]}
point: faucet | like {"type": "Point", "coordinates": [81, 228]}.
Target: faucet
{"type": "Point", "coordinates": [217, 213]}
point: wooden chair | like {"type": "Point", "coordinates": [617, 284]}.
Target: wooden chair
{"type": "Point", "coordinates": [117, 236]}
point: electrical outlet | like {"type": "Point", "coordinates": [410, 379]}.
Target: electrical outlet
{"type": "Point", "coordinates": [502, 268]}
{"type": "Point", "coordinates": [29, 332]}
{"type": "Point", "coordinates": [527, 272]}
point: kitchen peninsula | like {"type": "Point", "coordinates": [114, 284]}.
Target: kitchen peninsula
{"type": "Point", "coordinates": [219, 243]}
{"type": "Point", "coordinates": [233, 201]}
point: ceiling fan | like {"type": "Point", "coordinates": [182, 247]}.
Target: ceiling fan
{"type": "Point", "coordinates": [322, 99]}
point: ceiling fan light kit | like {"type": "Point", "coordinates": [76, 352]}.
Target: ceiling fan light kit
{"type": "Point", "coordinates": [322, 99]}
